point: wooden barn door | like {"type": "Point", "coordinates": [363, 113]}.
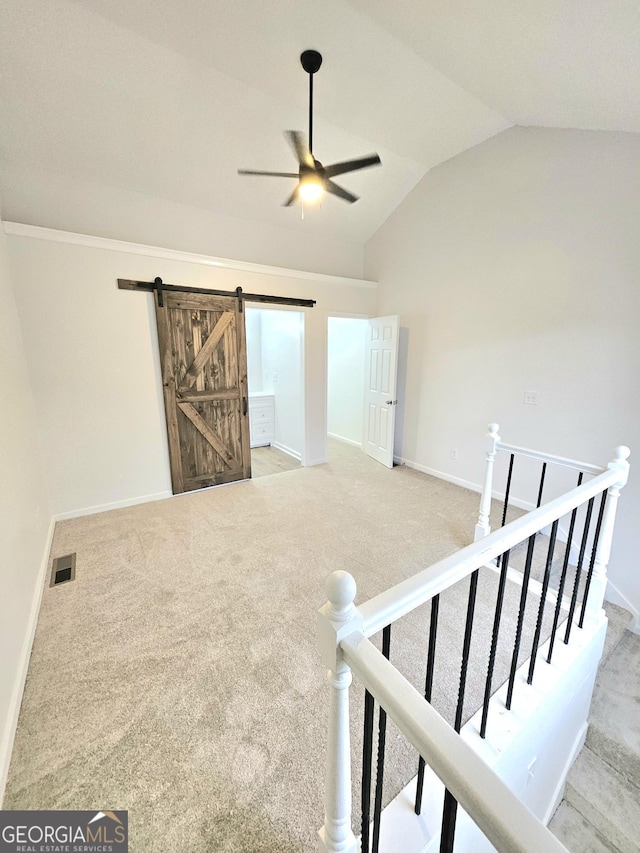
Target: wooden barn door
{"type": "Point", "coordinates": [204, 375]}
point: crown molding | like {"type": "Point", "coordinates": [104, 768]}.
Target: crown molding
{"type": "Point", "coordinates": [36, 232]}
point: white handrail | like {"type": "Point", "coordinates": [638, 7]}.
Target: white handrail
{"type": "Point", "coordinates": [506, 822]}
{"type": "Point", "coordinates": [405, 596]}
{"type": "Point", "coordinates": [587, 467]}
{"type": "Point", "coordinates": [342, 633]}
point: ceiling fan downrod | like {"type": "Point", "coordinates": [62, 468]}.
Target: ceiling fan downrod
{"type": "Point", "coordinates": [311, 61]}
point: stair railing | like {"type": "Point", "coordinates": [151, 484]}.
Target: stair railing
{"type": "Point", "coordinates": [343, 632]}
{"type": "Point", "coordinates": [596, 580]}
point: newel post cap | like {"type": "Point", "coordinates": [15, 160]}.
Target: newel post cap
{"type": "Point", "coordinates": [338, 618]}
{"type": "Point", "coordinates": [493, 439]}
{"type": "Point", "coordinates": [341, 589]}
{"type": "Point", "coordinates": [621, 462]}
{"type": "Point", "coordinates": [621, 453]}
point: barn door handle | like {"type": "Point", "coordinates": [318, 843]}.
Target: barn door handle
{"type": "Point", "coordinates": [244, 406]}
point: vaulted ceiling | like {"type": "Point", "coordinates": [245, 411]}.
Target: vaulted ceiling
{"type": "Point", "coordinates": [171, 97]}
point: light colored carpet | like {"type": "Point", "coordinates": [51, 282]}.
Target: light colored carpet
{"type": "Point", "coordinates": [178, 676]}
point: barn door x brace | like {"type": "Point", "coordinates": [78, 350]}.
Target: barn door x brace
{"type": "Point", "coordinates": [159, 286]}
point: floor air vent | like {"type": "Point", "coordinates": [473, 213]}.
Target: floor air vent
{"type": "Point", "coordinates": [64, 569]}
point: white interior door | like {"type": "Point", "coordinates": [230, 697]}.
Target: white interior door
{"type": "Point", "coordinates": [381, 369]}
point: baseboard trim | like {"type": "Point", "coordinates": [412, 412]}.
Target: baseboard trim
{"type": "Point", "coordinates": [459, 481]}
{"type": "Point", "coordinates": [9, 734]}
{"type": "Point", "coordinates": [322, 460]}
{"type": "Point", "coordinates": [527, 506]}
{"type": "Point", "coordinates": [288, 450]}
{"type": "Point", "coordinates": [441, 475]}
{"type": "Point", "coordinates": [350, 441]}
{"type": "Point", "coordinates": [91, 510]}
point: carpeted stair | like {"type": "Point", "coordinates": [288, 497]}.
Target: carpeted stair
{"type": "Point", "coordinates": [600, 812]}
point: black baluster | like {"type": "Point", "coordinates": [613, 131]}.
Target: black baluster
{"type": "Point", "coordinates": [507, 490]}
{"type": "Point", "coordinates": [448, 831]}
{"type": "Point", "coordinates": [382, 733]}
{"type": "Point", "coordinates": [466, 647]}
{"type": "Point", "coordinates": [521, 612]}
{"type": "Point", "coordinates": [506, 500]}
{"type": "Point", "coordinates": [596, 537]}
{"type": "Point", "coordinates": [576, 583]}
{"type": "Point", "coordinates": [544, 471]}
{"type": "Point", "coordinates": [428, 685]}
{"type": "Point", "coordinates": [367, 750]}
{"type": "Point", "coordinates": [543, 600]}
{"type": "Point", "coordinates": [563, 577]}
{"type": "Point", "coordinates": [494, 643]}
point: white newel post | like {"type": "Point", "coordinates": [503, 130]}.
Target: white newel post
{"type": "Point", "coordinates": [603, 551]}
{"type": "Point", "coordinates": [337, 619]}
{"type": "Point", "coordinates": [483, 527]}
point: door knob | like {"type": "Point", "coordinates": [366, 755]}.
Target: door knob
{"type": "Point", "coordinates": [391, 402]}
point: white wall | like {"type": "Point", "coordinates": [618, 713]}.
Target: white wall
{"type": "Point", "coordinates": [92, 355]}
{"type": "Point", "coordinates": [253, 329]}
{"type": "Point", "coordinates": [38, 197]}
{"type": "Point", "coordinates": [24, 515]}
{"type": "Point", "coordinates": [515, 266]}
{"type": "Point", "coordinates": [345, 377]}
{"type": "Point", "coordinates": [282, 372]}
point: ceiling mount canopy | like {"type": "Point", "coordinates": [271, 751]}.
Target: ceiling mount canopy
{"type": "Point", "coordinates": [313, 178]}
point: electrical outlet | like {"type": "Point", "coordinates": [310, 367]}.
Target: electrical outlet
{"type": "Point", "coordinates": [453, 453]}
{"type": "Point", "coordinates": [531, 398]}
{"type": "Point", "coordinates": [274, 377]}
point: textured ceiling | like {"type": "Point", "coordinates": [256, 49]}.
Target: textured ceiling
{"type": "Point", "coordinates": [171, 97]}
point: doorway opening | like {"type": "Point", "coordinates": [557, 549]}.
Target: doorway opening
{"type": "Point", "coordinates": [275, 341]}
{"type": "Point", "coordinates": [362, 359]}
{"type": "Point", "coordinates": [346, 344]}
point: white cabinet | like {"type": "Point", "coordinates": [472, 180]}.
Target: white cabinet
{"type": "Point", "coordinates": [262, 419]}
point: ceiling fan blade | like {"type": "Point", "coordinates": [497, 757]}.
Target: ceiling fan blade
{"type": "Point", "coordinates": [298, 142]}
{"type": "Point", "coordinates": [330, 187]}
{"type": "Point", "coordinates": [351, 165]}
{"type": "Point", "coordinates": [293, 197]}
{"type": "Point", "coordinates": [273, 174]}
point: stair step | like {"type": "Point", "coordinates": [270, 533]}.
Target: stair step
{"type": "Point", "coordinates": [576, 833]}
{"type": "Point", "coordinates": [614, 720]}
{"type": "Point", "coordinates": [619, 620]}
{"type": "Point", "coordinates": [606, 800]}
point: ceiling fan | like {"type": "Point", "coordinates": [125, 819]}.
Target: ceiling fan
{"type": "Point", "coordinates": [313, 178]}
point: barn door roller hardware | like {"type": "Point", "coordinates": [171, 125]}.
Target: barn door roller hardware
{"type": "Point", "coordinates": [160, 287]}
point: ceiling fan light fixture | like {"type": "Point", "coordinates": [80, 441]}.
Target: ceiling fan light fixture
{"type": "Point", "coordinates": [311, 188]}
{"type": "Point", "coordinates": [314, 179]}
